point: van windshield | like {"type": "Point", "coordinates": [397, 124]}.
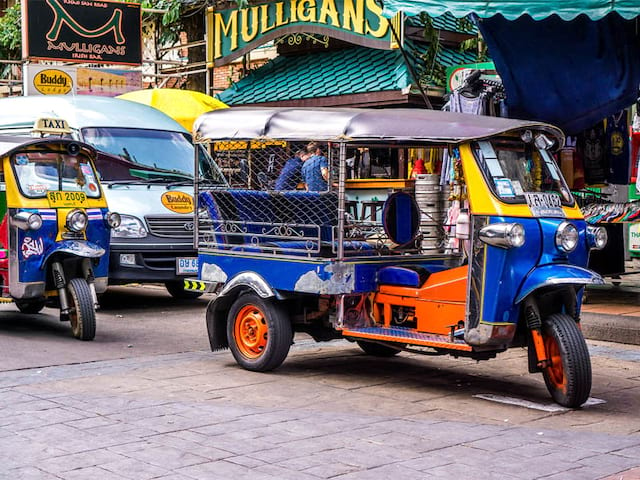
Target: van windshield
{"type": "Point", "coordinates": [519, 172]}
{"type": "Point", "coordinates": [147, 155]}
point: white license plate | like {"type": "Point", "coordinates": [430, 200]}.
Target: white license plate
{"type": "Point", "coordinates": [186, 265]}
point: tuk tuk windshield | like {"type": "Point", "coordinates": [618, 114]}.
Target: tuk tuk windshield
{"type": "Point", "coordinates": [145, 154]}
{"type": "Point", "coordinates": [38, 172]}
{"type": "Point", "coordinates": [519, 172]}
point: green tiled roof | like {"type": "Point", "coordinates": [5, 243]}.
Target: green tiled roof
{"type": "Point", "coordinates": [340, 72]}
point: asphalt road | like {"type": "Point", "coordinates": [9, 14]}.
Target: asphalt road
{"type": "Point", "coordinates": [132, 321]}
{"type": "Point", "coordinates": [147, 399]}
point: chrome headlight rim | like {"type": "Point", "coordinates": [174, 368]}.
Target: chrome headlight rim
{"type": "Point", "coordinates": [112, 219]}
{"type": "Point", "coordinates": [503, 235]}
{"type": "Point", "coordinates": [597, 237]}
{"type": "Point", "coordinates": [27, 220]}
{"type": "Point", "coordinates": [77, 221]}
{"type": "Point", "coordinates": [130, 227]}
{"type": "Point", "coordinates": [567, 237]}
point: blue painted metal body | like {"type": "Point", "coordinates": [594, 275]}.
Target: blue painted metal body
{"type": "Point", "coordinates": [309, 274]}
{"type": "Point", "coordinates": [512, 274]}
{"type": "Point", "coordinates": [36, 247]}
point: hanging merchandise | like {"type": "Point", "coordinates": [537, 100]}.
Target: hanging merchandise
{"type": "Point", "coordinates": [635, 158]}
{"type": "Point", "coordinates": [591, 146]}
{"type": "Point", "coordinates": [577, 172]}
{"type": "Point", "coordinates": [617, 135]}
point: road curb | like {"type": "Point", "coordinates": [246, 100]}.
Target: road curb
{"type": "Point", "coordinates": [611, 328]}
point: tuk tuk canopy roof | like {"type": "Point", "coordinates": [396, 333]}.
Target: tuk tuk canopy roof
{"type": "Point", "coordinates": [10, 144]}
{"type": "Point", "coordinates": [356, 124]}
{"type": "Point", "coordinates": [512, 9]}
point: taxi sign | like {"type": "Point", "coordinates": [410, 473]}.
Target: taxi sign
{"type": "Point", "coordinates": [54, 126]}
{"type": "Point", "coordinates": [66, 199]}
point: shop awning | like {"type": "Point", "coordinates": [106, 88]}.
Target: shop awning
{"type": "Point", "coordinates": [512, 9]}
{"type": "Point", "coordinates": [567, 62]}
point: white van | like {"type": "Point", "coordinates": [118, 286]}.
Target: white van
{"type": "Point", "coordinates": [146, 163]}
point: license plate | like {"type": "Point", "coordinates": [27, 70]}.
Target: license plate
{"type": "Point", "coordinates": [66, 199]}
{"type": "Point", "coordinates": [186, 265]}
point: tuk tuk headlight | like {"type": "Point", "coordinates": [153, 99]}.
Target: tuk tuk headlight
{"type": "Point", "coordinates": [130, 227]}
{"type": "Point", "coordinates": [77, 221]}
{"type": "Point", "coordinates": [566, 237]}
{"type": "Point", "coordinates": [113, 219]}
{"type": "Point", "coordinates": [503, 235]}
{"type": "Point", "coordinates": [27, 221]}
{"type": "Point", "coordinates": [597, 237]}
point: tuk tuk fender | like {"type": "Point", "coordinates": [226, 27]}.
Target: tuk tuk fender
{"type": "Point", "coordinates": [557, 274]}
{"type": "Point", "coordinates": [75, 248]}
{"type": "Point", "coordinates": [218, 308]}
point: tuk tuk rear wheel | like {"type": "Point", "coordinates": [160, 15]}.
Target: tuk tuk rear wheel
{"type": "Point", "coordinates": [568, 376]}
{"type": "Point", "coordinates": [30, 306]}
{"type": "Point", "coordinates": [376, 349]}
{"type": "Point", "coordinates": [259, 332]}
{"type": "Point", "coordinates": [82, 314]}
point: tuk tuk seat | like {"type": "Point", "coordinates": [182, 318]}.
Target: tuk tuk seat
{"type": "Point", "coordinates": [403, 276]}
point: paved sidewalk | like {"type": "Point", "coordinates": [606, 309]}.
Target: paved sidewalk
{"type": "Point", "coordinates": [612, 312]}
{"type": "Point", "coordinates": [329, 412]}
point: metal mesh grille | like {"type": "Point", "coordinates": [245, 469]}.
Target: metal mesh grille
{"type": "Point", "coordinates": [283, 199]}
{"type": "Point", "coordinates": [171, 226]}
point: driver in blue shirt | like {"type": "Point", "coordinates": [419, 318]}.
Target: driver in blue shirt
{"type": "Point", "coordinates": [291, 174]}
{"type": "Point", "coordinates": [315, 170]}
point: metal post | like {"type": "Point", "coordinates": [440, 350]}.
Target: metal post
{"type": "Point", "coordinates": [196, 192]}
{"type": "Point", "coordinates": [342, 173]}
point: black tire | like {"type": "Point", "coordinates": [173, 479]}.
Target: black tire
{"type": "Point", "coordinates": [259, 332]}
{"type": "Point", "coordinates": [376, 349]}
{"type": "Point", "coordinates": [30, 306]}
{"type": "Point", "coordinates": [176, 289]}
{"type": "Point", "coordinates": [82, 314]}
{"type": "Point", "coordinates": [568, 377]}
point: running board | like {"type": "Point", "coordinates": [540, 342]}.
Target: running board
{"type": "Point", "coordinates": [407, 336]}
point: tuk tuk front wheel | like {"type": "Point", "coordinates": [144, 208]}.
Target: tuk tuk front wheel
{"type": "Point", "coordinates": [82, 314]}
{"type": "Point", "coordinates": [30, 306]}
{"type": "Point", "coordinates": [259, 333]}
{"type": "Point", "coordinates": [568, 376]}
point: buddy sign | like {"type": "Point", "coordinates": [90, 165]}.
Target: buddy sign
{"type": "Point", "coordinates": [82, 31]}
{"type": "Point", "coordinates": [231, 33]}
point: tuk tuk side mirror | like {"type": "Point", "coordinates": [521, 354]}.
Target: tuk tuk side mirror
{"type": "Point", "coordinates": [543, 142]}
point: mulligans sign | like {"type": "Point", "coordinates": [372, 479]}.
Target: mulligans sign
{"type": "Point", "coordinates": [84, 31]}
{"type": "Point", "coordinates": [232, 33]}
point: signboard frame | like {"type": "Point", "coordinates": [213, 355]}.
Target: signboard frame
{"type": "Point", "coordinates": [82, 31]}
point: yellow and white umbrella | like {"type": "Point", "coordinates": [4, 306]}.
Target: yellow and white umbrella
{"type": "Point", "coordinates": [184, 106]}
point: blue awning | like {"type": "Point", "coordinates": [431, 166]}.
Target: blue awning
{"type": "Point", "coordinates": [567, 62]}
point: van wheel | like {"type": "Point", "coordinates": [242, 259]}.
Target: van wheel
{"type": "Point", "coordinates": [259, 332]}
{"type": "Point", "coordinates": [568, 377]}
{"type": "Point", "coordinates": [176, 289]}
{"type": "Point", "coordinates": [30, 306]}
{"type": "Point", "coordinates": [376, 349]}
{"type": "Point", "coordinates": [82, 314]}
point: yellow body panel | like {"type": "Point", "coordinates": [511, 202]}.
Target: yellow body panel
{"type": "Point", "coordinates": [15, 199]}
{"type": "Point", "coordinates": [482, 201]}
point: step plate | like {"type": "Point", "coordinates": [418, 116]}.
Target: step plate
{"type": "Point", "coordinates": [405, 335]}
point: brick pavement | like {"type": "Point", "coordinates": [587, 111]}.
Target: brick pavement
{"type": "Point", "coordinates": [329, 412]}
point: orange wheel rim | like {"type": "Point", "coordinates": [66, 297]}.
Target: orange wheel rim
{"type": "Point", "coordinates": [555, 370]}
{"type": "Point", "coordinates": [251, 331]}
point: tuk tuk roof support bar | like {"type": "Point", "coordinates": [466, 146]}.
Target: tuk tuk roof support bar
{"type": "Point", "coordinates": [342, 173]}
